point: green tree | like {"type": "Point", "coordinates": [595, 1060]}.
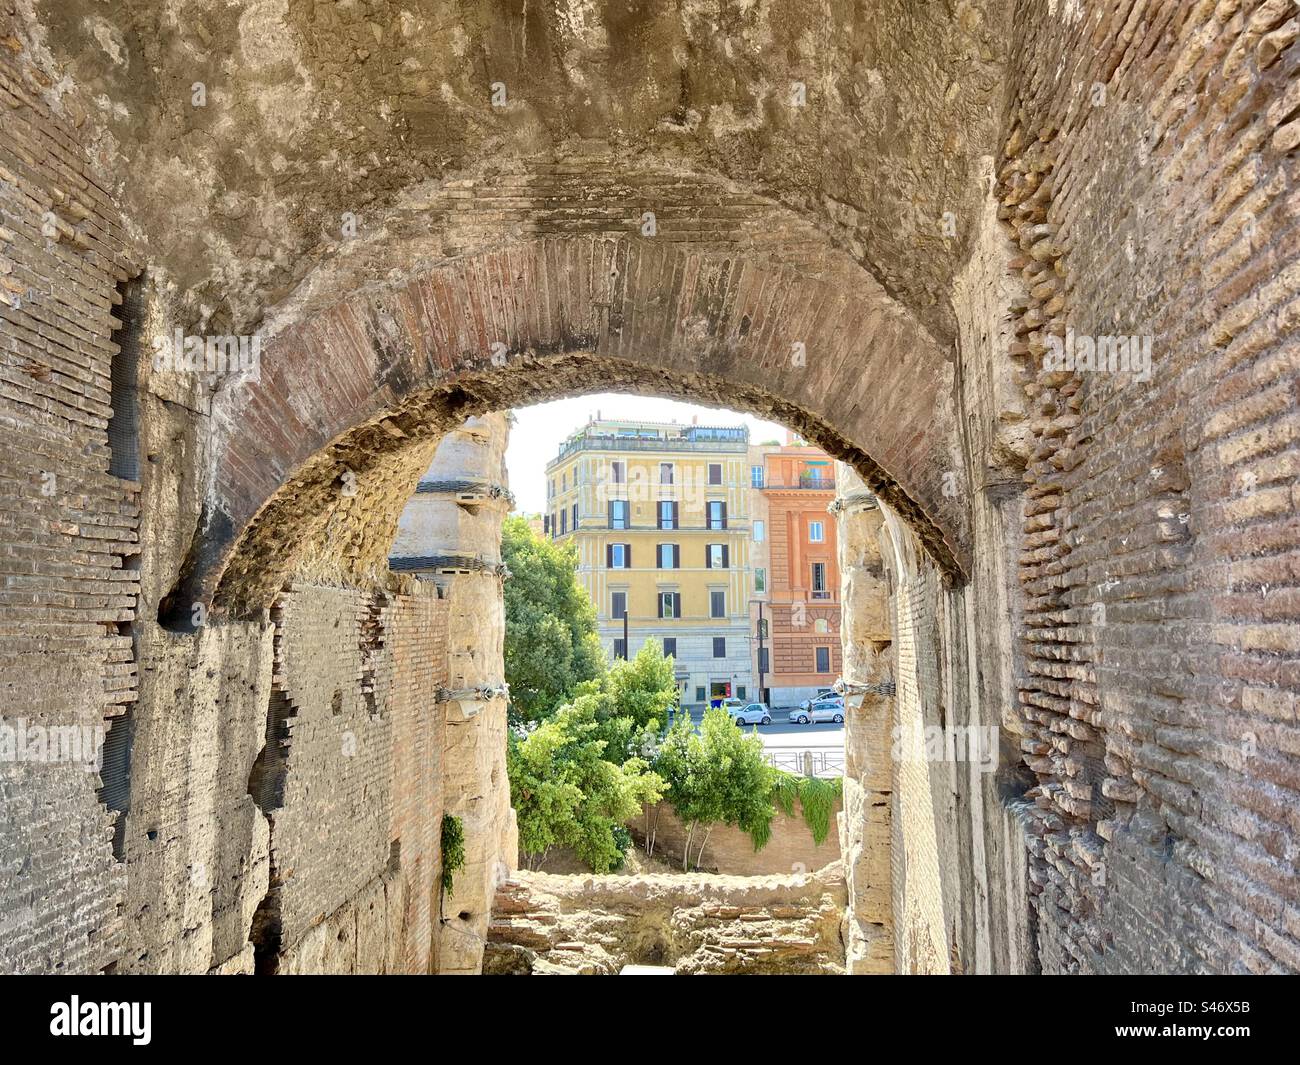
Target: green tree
{"type": "Point", "coordinates": [566, 793]}
{"type": "Point", "coordinates": [636, 699]}
{"type": "Point", "coordinates": [551, 645]}
{"type": "Point", "coordinates": [716, 775]}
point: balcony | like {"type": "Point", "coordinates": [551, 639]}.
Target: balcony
{"type": "Point", "coordinates": [610, 442]}
{"type": "Point", "coordinates": [805, 482]}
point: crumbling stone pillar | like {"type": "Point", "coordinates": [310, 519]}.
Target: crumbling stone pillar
{"type": "Point", "coordinates": [464, 499]}
{"type": "Point", "coordinates": [867, 680]}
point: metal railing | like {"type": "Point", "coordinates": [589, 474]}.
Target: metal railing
{"type": "Point", "coordinates": [826, 484]}
{"type": "Point", "coordinates": [633, 443]}
{"type": "Point", "coordinates": [807, 761]}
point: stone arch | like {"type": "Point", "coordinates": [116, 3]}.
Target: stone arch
{"type": "Point", "coordinates": [375, 380]}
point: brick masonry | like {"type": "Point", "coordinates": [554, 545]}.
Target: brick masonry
{"type": "Point", "coordinates": [1102, 569]}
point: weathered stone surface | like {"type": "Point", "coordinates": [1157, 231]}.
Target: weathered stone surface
{"type": "Point", "coordinates": [545, 924]}
{"type": "Point", "coordinates": [1101, 568]}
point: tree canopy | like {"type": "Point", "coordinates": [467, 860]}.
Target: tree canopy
{"type": "Point", "coordinates": [551, 645]}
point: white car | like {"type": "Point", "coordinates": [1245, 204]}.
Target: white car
{"type": "Point", "coordinates": [819, 710]}
{"type": "Point", "coordinates": [822, 694]}
{"type": "Point", "coordinates": [753, 714]}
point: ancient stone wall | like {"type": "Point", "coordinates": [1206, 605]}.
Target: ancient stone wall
{"type": "Point", "coordinates": [1148, 175]}
{"type": "Point", "coordinates": [351, 780]}
{"type": "Point", "coordinates": [474, 698]}
{"type": "Point", "coordinates": [696, 923]}
{"type": "Point", "coordinates": [1099, 566]}
{"type": "Point", "coordinates": [70, 555]}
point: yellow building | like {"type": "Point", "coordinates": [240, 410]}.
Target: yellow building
{"type": "Point", "coordinates": [660, 516]}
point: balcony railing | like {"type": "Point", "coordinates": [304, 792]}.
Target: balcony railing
{"type": "Point", "coordinates": [816, 484]}
{"type": "Point", "coordinates": [606, 442]}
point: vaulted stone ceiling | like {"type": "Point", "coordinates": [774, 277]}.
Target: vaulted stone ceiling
{"type": "Point", "coordinates": [314, 109]}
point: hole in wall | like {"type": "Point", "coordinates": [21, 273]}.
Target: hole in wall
{"type": "Point", "coordinates": [124, 372]}
{"type": "Point", "coordinates": [115, 776]}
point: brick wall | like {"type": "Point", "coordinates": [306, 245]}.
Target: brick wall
{"type": "Point", "coordinates": [67, 531]}
{"type": "Point", "coordinates": [731, 851]}
{"type": "Point", "coordinates": [355, 838]}
{"type": "Point", "coordinates": [1160, 519]}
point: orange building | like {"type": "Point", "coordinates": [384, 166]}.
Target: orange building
{"type": "Point", "coordinates": [800, 649]}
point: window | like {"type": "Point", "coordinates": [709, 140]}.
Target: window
{"type": "Point", "coordinates": [717, 514]}
{"type": "Point", "coordinates": [618, 472]}
{"type": "Point", "coordinates": [715, 473]}
{"type": "Point", "coordinates": [564, 483]}
{"type": "Point", "coordinates": [564, 522]}
{"type": "Point", "coordinates": [823, 660]}
{"type": "Point", "coordinates": [618, 556]}
{"type": "Point", "coordinates": [740, 692]}
{"type": "Point", "coordinates": [760, 579]}
{"type": "Point", "coordinates": [667, 514]}
{"type": "Point", "coordinates": [618, 514]}
{"type": "Point", "coordinates": [821, 625]}
{"type": "Point", "coordinates": [618, 604]}
{"type": "Point", "coordinates": [575, 517]}
{"type": "Point", "coordinates": [546, 523]}
{"type": "Point", "coordinates": [756, 476]}
{"type": "Point", "coordinates": [550, 489]}
{"type": "Point", "coordinates": [670, 605]}
{"type": "Point", "coordinates": [717, 604]}
{"type": "Point", "coordinates": [699, 695]}
{"type": "Point", "coordinates": [670, 556]}
{"type": "Point", "coordinates": [819, 581]}
{"type": "Point", "coordinates": [719, 647]}
{"type": "Point", "coordinates": [665, 473]}
{"type": "Point", "coordinates": [620, 648]}
{"type": "Point", "coordinates": [816, 534]}
{"type": "Point", "coordinates": [670, 646]}
{"type": "Point", "coordinates": [716, 556]}
{"type": "Point", "coordinates": [758, 532]}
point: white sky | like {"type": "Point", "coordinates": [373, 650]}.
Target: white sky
{"type": "Point", "coordinates": [539, 430]}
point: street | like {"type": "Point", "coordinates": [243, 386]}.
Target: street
{"type": "Point", "coordinates": [787, 745]}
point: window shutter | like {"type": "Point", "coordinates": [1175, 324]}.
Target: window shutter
{"type": "Point", "coordinates": [726, 557]}
{"type": "Point", "coordinates": [724, 515]}
{"type": "Point", "coordinates": [660, 598]}
{"type": "Point", "coordinates": [677, 604]}
{"type": "Point", "coordinates": [609, 556]}
{"type": "Point", "coordinates": [677, 556]}
{"type": "Point", "coordinates": [627, 556]}
{"type": "Point", "coordinates": [676, 520]}
{"type": "Point", "coordinates": [708, 556]}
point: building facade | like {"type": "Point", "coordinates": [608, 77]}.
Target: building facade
{"type": "Point", "coordinates": [760, 568]}
{"type": "Point", "coordinates": [660, 515]}
{"type": "Point", "coordinates": [797, 645]}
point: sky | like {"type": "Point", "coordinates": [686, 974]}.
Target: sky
{"type": "Point", "coordinates": [539, 430]}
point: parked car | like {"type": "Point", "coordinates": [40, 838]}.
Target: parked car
{"type": "Point", "coordinates": [823, 695]}
{"type": "Point", "coordinates": [753, 714]}
{"type": "Point", "coordinates": [819, 710]}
